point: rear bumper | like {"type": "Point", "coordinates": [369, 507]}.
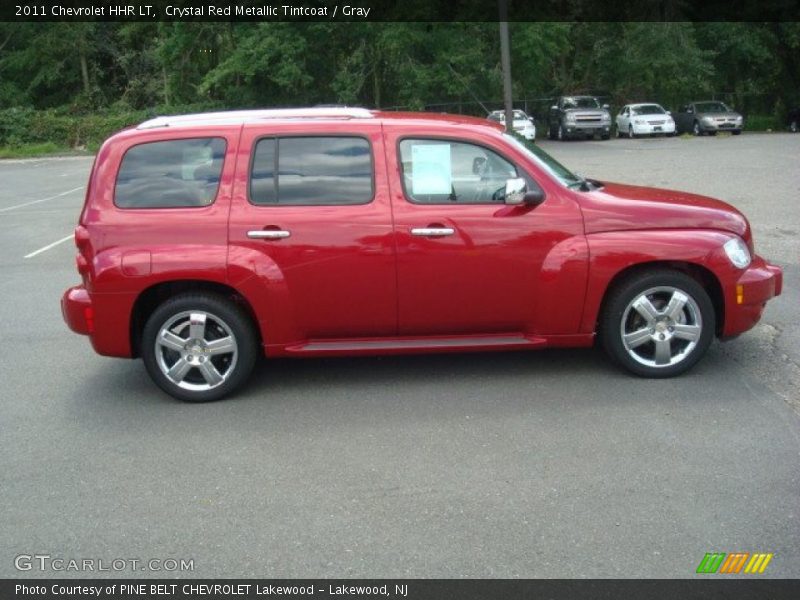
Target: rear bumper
{"type": "Point", "coordinates": [76, 307]}
{"type": "Point", "coordinates": [745, 301]}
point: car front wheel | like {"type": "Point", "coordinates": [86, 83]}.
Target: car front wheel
{"type": "Point", "coordinates": [658, 324]}
{"type": "Point", "coordinates": [199, 347]}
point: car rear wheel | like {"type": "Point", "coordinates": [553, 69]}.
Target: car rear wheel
{"type": "Point", "coordinates": [199, 347]}
{"type": "Point", "coordinates": [658, 324]}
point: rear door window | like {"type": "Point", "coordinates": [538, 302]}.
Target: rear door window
{"type": "Point", "coordinates": [311, 171]}
{"type": "Point", "coordinates": [170, 174]}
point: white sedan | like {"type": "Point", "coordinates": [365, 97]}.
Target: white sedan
{"type": "Point", "coordinates": [523, 124]}
{"type": "Point", "coordinates": [644, 119]}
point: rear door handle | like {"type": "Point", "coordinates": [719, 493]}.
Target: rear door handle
{"type": "Point", "coordinates": [432, 231]}
{"type": "Point", "coordinates": [268, 234]}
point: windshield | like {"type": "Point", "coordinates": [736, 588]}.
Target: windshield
{"type": "Point", "coordinates": [544, 160]}
{"type": "Point", "coordinates": [501, 116]}
{"type": "Point", "coordinates": [648, 109]}
{"type": "Point", "coordinates": [711, 107]}
{"type": "Point", "coordinates": [581, 102]}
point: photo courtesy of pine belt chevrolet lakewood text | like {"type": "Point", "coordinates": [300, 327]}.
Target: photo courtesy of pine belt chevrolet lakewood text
{"type": "Point", "coordinates": [208, 239]}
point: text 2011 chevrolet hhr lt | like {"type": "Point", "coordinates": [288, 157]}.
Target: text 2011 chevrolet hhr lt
{"type": "Point", "coordinates": [207, 239]}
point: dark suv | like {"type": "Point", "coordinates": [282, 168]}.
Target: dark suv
{"type": "Point", "coordinates": [579, 116]}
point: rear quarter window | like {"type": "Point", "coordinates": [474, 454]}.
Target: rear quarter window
{"type": "Point", "coordinates": [170, 174]}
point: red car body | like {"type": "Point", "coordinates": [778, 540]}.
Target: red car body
{"type": "Point", "coordinates": [351, 279]}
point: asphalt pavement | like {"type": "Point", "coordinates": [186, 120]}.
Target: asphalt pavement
{"type": "Point", "coordinates": [540, 464]}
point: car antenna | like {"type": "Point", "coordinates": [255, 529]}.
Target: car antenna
{"type": "Point", "coordinates": [463, 81]}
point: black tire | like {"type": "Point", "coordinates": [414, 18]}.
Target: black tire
{"type": "Point", "coordinates": [696, 129]}
{"type": "Point", "coordinates": [222, 319]}
{"type": "Point", "coordinates": [712, 133]}
{"type": "Point", "coordinates": [737, 132]}
{"type": "Point", "coordinates": [605, 136]}
{"type": "Point", "coordinates": [695, 318]}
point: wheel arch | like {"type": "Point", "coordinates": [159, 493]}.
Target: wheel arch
{"type": "Point", "coordinates": [152, 297]}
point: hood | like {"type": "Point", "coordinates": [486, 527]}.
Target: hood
{"type": "Point", "coordinates": [618, 207]}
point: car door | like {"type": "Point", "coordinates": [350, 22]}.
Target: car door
{"type": "Point", "coordinates": [623, 120]}
{"type": "Point", "coordinates": [467, 263]}
{"type": "Point", "coordinates": [311, 215]}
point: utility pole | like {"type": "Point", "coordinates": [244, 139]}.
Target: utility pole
{"type": "Point", "coordinates": [505, 62]}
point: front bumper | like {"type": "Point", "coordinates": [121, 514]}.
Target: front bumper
{"type": "Point", "coordinates": [715, 126]}
{"type": "Point", "coordinates": [648, 129]}
{"type": "Point", "coordinates": [746, 299]}
{"type": "Point", "coordinates": [588, 128]}
{"type": "Point", "coordinates": [76, 307]}
{"type": "Point", "coordinates": [529, 133]}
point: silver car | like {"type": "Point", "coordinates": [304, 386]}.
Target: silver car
{"type": "Point", "coordinates": [709, 117]}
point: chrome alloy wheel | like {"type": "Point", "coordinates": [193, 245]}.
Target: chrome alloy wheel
{"type": "Point", "coordinates": [661, 327]}
{"type": "Point", "coordinates": [196, 350]}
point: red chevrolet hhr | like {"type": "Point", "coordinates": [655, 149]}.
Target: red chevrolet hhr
{"type": "Point", "coordinates": [206, 239]}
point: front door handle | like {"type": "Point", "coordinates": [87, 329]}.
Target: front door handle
{"type": "Point", "coordinates": [268, 234]}
{"type": "Point", "coordinates": [432, 231]}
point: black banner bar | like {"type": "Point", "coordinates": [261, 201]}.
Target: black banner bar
{"type": "Point", "coordinates": [406, 589]}
{"type": "Point", "coordinates": [355, 11]}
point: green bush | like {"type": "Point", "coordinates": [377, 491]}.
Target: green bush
{"type": "Point", "coordinates": [762, 123]}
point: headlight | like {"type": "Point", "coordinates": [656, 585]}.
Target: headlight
{"type": "Point", "coordinates": [570, 117]}
{"type": "Point", "coordinates": [638, 121]}
{"type": "Point", "coordinates": [737, 252]}
{"type": "Point", "coordinates": [707, 119]}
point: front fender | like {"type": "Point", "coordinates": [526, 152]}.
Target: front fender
{"type": "Point", "coordinates": [612, 253]}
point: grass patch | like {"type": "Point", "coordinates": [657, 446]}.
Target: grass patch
{"type": "Point", "coordinates": [35, 150]}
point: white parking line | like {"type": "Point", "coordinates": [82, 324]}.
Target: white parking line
{"type": "Point", "coordinates": [46, 248]}
{"type": "Point", "coordinates": [7, 208]}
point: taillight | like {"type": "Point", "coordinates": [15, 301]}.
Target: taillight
{"type": "Point", "coordinates": [88, 315]}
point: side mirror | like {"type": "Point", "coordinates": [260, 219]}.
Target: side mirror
{"type": "Point", "coordinates": [554, 107]}
{"type": "Point", "coordinates": [669, 112]}
{"type": "Point", "coordinates": [606, 106]}
{"type": "Point", "coordinates": [517, 193]}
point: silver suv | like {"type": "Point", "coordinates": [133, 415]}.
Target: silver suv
{"type": "Point", "coordinates": [579, 116]}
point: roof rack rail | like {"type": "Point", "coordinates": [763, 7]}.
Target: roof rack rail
{"type": "Point", "coordinates": [239, 116]}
